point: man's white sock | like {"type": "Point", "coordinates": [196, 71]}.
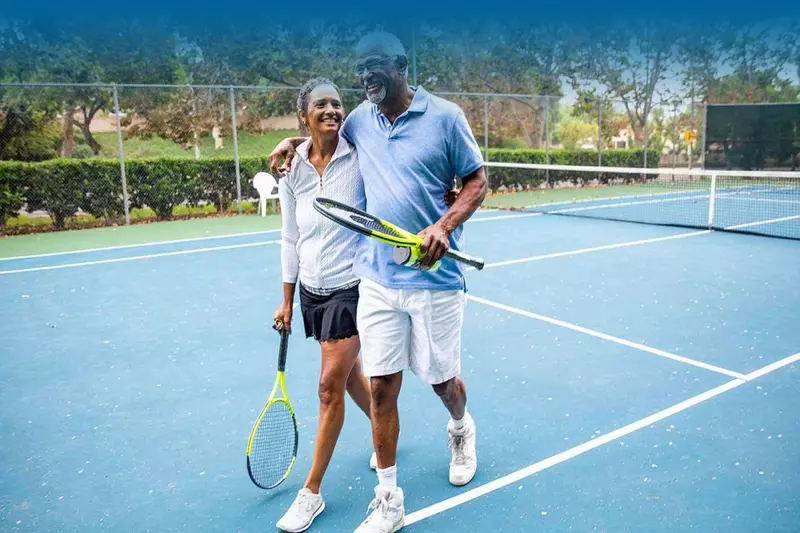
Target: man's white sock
{"type": "Point", "coordinates": [387, 477]}
{"type": "Point", "coordinates": [458, 425]}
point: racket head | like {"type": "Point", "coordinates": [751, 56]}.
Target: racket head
{"type": "Point", "coordinates": [272, 448]}
{"type": "Point", "coordinates": [364, 223]}
{"type": "Point", "coordinates": [382, 230]}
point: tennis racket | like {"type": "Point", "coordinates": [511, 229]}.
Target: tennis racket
{"type": "Point", "coordinates": [382, 230]}
{"type": "Point", "coordinates": [272, 446]}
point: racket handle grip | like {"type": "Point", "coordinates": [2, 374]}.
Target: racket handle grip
{"type": "Point", "coordinates": [475, 262]}
{"type": "Point", "coordinates": [283, 350]}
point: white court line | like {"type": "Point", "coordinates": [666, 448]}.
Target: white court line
{"type": "Point", "coordinates": [490, 265]}
{"type": "Point", "coordinates": [137, 257]}
{"type": "Point", "coordinates": [139, 245]}
{"type": "Point", "coordinates": [762, 222]}
{"type": "Point", "coordinates": [503, 217]}
{"type": "Point", "coordinates": [211, 237]}
{"type": "Point", "coordinates": [528, 471]}
{"type": "Point", "coordinates": [571, 453]}
{"type": "Point", "coordinates": [760, 200]}
{"type": "Point", "coordinates": [625, 204]}
{"type": "Point", "coordinates": [605, 336]}
{"type": "Point", "coordinates": [592, 249]}
{"type": "Point", "coordinates": [774, 366]}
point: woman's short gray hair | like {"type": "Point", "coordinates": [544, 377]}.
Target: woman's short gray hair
{"type": "Point", "coordinates": [310, 85]}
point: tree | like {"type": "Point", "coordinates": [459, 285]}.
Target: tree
{"type": "Point", "coordinates": [501, 57]}
{"type": "Point", "coordinates": [757, 57]}
{"type": "Point", "coordinates": [119, 51]}
{"type": "Point", "coordinates": [289, 55]}
{"type": "Point", "coordinates": [591, 107]}
{"type": "Point", "coordinates": [699, 53]}
{"type": "Point", "coordinates": [630, 63]}
{"type": "Point", "coordinates": [64, 57]}
{"type": "Point", "coordinates": [24, 114]}
{"type": "Point", "coordinates": [573, 132]}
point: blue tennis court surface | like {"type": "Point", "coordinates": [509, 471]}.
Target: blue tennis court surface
{"type": "Point", "coordinates": [624, 377]}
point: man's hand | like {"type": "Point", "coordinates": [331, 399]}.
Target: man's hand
{"type": "Point", "coordinates": [435, 243]}
{"type": "Point", "coordinates": [284, 150]}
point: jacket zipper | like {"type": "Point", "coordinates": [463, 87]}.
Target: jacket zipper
{"type": "Point", "coordinates": [320, 221]}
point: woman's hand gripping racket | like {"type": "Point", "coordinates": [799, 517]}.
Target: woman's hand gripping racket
{"type": "Point", "coordinates": [384, 231]}
{"type": "Point", "coordinates": [272, 447]}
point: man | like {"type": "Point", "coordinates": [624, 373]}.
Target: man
{"type": "Point", "coordinates": [411, 146]}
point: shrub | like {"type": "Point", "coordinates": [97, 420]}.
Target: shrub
{"type": "Point", "coordinates": [39, 144]}
{"type": "Point", "coordinates": [161, 184]}
{"type": "Point", "coordinates": [55, 187]}
{"type": "Point", "coordinates": [63, 187]}
{"type": "Point", "coordinates": [102, 193]}
{"type": "Point", "coordinates": [515, 178]}
{"type": "Point", "coordinates": [12, 190]}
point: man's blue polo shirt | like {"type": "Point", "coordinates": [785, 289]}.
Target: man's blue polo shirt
{"type": "Point", "coordinates": [407, 168]}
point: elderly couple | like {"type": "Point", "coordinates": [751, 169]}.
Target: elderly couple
{"type": "Point", "coordinates": [397, 155]}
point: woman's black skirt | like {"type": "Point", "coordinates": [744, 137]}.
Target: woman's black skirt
{"type": "Point", "coordinates": [329, 317]}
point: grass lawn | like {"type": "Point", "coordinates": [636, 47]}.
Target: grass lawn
{"type": "Point", "coordinates": [250, 145]}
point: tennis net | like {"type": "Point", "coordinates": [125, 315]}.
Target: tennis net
{"type": "Point", "coordinates": [757, 202]}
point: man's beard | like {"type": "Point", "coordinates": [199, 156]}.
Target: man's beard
{"type": "Point", "coordinates": [376, 97]}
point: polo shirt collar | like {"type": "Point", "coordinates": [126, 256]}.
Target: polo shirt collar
{"type": "Point", "coordinates": [418, 104]}
{"type": "Point", "coordinates": [342, 148]}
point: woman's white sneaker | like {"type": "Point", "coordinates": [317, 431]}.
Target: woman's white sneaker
{"type": "Point", "coordinates": [305, 508]}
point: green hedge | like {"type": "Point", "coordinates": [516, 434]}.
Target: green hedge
{"type": "Point", "coordinates": [61, 187]}
{"type": "Point", "coordinates": [516, 178]}
{"type": "Point", "coordinates": [12, 190]}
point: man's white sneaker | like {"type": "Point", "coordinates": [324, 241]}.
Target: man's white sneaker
{"type": "Point", "coordinates": [464, 461]}
{"type": "Point", "coordinates": [305, 508]}
{"type": "Point", "coordinates": [388, 513]}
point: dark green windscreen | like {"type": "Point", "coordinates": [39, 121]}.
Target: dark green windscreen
{"type": "Point", "coordinates": [753, 137]}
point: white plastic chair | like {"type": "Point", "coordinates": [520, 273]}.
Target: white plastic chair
{"type": "Point", "coordinates": [267, 187]}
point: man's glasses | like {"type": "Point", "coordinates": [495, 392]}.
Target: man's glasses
{"type": "Point", "coordinates": [372, 64]}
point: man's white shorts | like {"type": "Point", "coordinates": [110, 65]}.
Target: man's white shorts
{"type": "Point", "coordinates": [410, 329]}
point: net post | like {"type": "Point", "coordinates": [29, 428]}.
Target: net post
{"type": "Point", "coordinates": [712, 201]}
{"type": "Point", "coordinates": [236, 151]}
{"type": "Point", "coordinates": [486, 128]}
{"type": "Point", "coordinates": [547, 137]}
{"type": "Point", "coordinates": [486, 131]}
{"type": "Point", "coordinates": [703, 141]}
{"type": "Point", "coordinates": [692, 123]}
{"type": "Point", "coordinates": [125, 200]}
{"type": "Point", "coordinates": [599, 133]}
{"type": "Point", "coordinates": [675, 139]}
{"type": "Point", "coordinates": [646, 141]}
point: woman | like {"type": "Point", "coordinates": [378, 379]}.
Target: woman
{"type": "Point", "coordinates": [319, 254]}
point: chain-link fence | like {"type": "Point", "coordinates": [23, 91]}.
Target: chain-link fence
{"type": "Point", "coordinates": [98, 155]}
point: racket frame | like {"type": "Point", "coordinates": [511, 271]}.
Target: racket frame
{"type": "Point", "coordinates": [280, 382]}
{"type": "Point", "coordinates": [406, 238]}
